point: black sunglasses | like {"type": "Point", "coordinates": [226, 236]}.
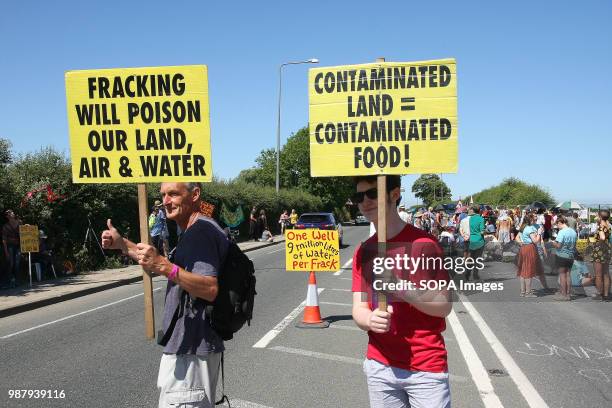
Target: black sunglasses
{"type": "Point", "coordinates": [358, 197]}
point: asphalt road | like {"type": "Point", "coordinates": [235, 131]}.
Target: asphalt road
{"type": "Point", "coordinates": [503, 350]}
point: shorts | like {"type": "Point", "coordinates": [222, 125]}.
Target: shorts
{"type": "Point", "coordinates": [561, 262]}
{"type": "Point", "coordinates": [392, 387]}
{"type": "Point", "coordinates": [187, 380]}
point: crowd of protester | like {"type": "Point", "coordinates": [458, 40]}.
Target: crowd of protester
{"type": "Point", "coordinates": [541, 234]}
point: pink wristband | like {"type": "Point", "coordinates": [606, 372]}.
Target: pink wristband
{"type": "Point", "coordinates": [173, 273]}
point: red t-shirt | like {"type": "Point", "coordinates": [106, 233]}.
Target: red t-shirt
{"type": "Point", "coordinates": [547, 221]}
{"type": "Point", "coordinates": [414, 341]}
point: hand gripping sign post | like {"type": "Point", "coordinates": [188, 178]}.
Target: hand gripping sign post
{"type": "Point", "coordinates": [383, 118]}
{"type": "Point", "coordinates": [28, 242]}
{"type": "Point", "coordinates": [140, 125]}
{"type": "Point", "coordinates": [311, 250]}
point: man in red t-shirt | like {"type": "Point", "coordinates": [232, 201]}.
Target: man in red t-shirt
{"type": "Point", "coordinates": [406, 362]}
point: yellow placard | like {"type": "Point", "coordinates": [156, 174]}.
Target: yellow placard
{"type": "Point", "coordinates": [312, 250]}
{"type": "Point", "coordinates": [28, 238]}
{"type": "Point", "coordinates": [383, 118]}
{"type": "Point", "coordinates": [137, 125]}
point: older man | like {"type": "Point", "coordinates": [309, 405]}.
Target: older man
{"type": "Point", "coordinates": [189, 367]}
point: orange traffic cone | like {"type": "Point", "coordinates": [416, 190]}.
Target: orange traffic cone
{"type": "Point", "coordinates": [312, 313]}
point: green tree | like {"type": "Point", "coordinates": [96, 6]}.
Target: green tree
{"type": "Point", "coordinates": [264, 173]}
{"type": "Point", "coordinates": [5, 160]}
{"type": "Point", "coordinates": [431, 189]}
{"type": "Point", "coordinates": [295, 173]}
{"type": "Point", "coordinates": [511, 192]}
{"type": "Point", "coordinates": [5, 152]}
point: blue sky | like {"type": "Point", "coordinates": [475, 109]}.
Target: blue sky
{"type": "Point", "coordinates": [533, 77]}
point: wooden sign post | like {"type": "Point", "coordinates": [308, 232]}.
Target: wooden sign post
{"type": "Point", "coordinates": [28, 242]}
{"type": "Point", "coordinates": [382, 230]}
{"type": "Point", "coordinates": [147, 280]}
{"type": "Point", "coordinates": [381, 187]}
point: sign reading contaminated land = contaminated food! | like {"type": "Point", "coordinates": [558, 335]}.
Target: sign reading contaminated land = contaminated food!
{"type": "Point", "coordinates": [136, 125]}
{"type": "Point", "coordinates": [383, 118]}
{"type": "Point", "coordinates": [312, 250]}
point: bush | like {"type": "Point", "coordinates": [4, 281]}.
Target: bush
{"type": "Point", "coordinates": [112, 262]}
{"type": "Point", "coordinates": [342, 214]}
{"type": "Point", "coordinates": [65, 214]}
{"type": "Point", "coordinates": [246, 195]}
{"type": "Point", "coordinates": [84, 261]}
{"type": "Point", "coordinates": [63, 209]}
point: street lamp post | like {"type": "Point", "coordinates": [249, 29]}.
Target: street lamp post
{"type": "Point", "coordinates": [280, 84]}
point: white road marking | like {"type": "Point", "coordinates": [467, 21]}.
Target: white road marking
{"type": "Point", "coordinates": [343, 359]}
{"type": "Point", "coordinates": [342, 290]}
{"type": "Point", "coordinates": [245, 404]}
{"type": "Point", "coordinates": [269, 336]}
{"type": "Point", "coordinates": [316, 354]}
{"type": "Point", "coordinates": [346, 279]}
{"type": "Point", "coordinates": [523, 384]}
{"type": "Point", "coordinates": [74, 315]}
{"type": "Point", "coordinates": [255, 253]}
{"type": "Point", "coordinates": [475, 366]}
{"type": "Point", "coordinates": [335, 304]}
{"type": "Point", "coordinates": [345, 266]}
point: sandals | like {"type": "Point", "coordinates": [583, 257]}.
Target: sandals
{"type": "Point", "coordinates": [530, 294]}
{"type": "Point", "coordinates": [561, 298]}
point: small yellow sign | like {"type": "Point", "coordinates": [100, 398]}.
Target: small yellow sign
{"type": "Point", "coordinates": [383, 118]}
{"type": "Point", "coordinates": [137, 125]}
{"type": "Point", "coordinates": [28, 237]}
{"type": "Point", "coordinates": [312, 250]}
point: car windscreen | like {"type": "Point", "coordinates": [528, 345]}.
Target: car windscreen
{"type": "Point", "coordinates": [314, 218]}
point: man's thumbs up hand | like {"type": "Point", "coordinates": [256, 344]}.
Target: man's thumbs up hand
{"type": "Point", "coordinates": [111, 239]}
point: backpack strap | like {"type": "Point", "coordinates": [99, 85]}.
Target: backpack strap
{"type": "Point", "coordinates": [223, 396]}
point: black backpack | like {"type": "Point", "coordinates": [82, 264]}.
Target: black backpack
{"type": "Point", "coordinates": [233, 306]}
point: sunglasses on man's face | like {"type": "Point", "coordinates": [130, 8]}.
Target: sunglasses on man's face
{"type": "Point", "coordinates": [358, 197]}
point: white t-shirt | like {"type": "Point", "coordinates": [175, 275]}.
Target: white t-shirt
{"type": "Point", "coordinates": [464, 227]}
{"type": "Point", "coordinates": [450, 236]}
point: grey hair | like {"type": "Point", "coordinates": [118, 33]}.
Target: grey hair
{"type": "Point", "coordinates": [190, 186]}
